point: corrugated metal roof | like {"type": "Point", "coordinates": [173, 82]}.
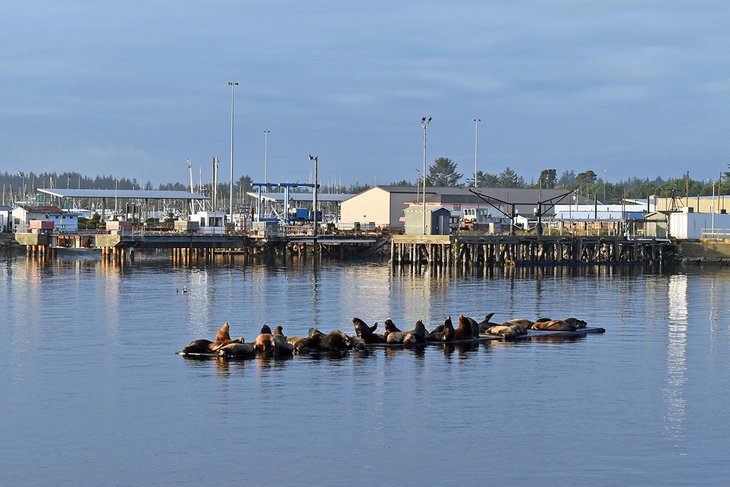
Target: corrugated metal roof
{"type": "Point", "coordinates": [321, 197]}
{"type": "Point", "coordinates": [123, 194]}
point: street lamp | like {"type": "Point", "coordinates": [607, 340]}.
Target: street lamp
{"type": "Point", "coordinates": [233, 85]}
{"type": "Point", "coordinates": [314, 158]}
{"type": "Point", "coordinates": [266, 157]}
{"type": "Point", "coordinates": [424, 123]}
{"type": "Point", "coordinates": [476, 147]}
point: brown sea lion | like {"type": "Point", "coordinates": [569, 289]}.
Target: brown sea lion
{"type": "Point", "coordinates": [300, 343]}
{"type": "Point", "coordinates": [505, 331]}
{"type": "Point", "coordinates": [217, 346]}
{"type": "Point", "coordinates": [366, 332]}
{"type": "Point", "coordinates": [464, 331]}
{"type": "Point", "coordinates": [264, 343]}
{"type": "Point", "coordinates": [241, 350]}
{"type": "Point", "coordinates": [409, 339]}
{"type": "Point", "coordinates": [197, 346]}
{"type": "Point", "coordinates": [390, 327]}
{"type": "Point", "coordinates": [520, 321]}
{"type": "Point", "coordinates": [223, 335]}
{"type": "Point", "coordinates": [553, 325]}
{"type": "Point", "coordinates": [395, 337]}
{"type": "Point", "coordinates": [335, 340]}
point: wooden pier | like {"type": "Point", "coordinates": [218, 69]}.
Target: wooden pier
{"type": "Point", "coordinates": [489, 250]}
{"type": "Point", "coordinates": [186, 248]}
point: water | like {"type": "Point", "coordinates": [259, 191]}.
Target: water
{"type": "Point", "coordinates": [91, 391]}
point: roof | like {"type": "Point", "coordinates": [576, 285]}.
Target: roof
{"type": "Point", "coordinates": [464, 195]}
{"type": "Point", "coordinates": [321, 197]}
{"type": "Point", "coordinates": [123, 194]}
{"type": "Point", "coordinates": [42, 209]}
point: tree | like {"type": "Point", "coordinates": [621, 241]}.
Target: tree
{"type": "Point", "coordinates": [587, 177]}
{"type": "Point", "coordinates": [548, 178]}
{"type": "Point", "coordinates": [510, 179]}
{"type": "Point", "coordinates": [443, 173]}
{"type": "Point", "coordinates": [567, 179]}
{"type": "Point", "coordinates": [484, 180]}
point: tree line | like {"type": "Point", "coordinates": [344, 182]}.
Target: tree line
{"type": "Point", "coordinates": [442, 172]}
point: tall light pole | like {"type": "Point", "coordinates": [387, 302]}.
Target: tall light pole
{"type": "Point", "coordinates": [233, 85]}
{"type": "Point", "coordinates": [424, 123]}
{"type": "Point", "coordinates": [476, 147]}
{"type": "Point", "coordinates": [266, 156]}
{"type": "Point", "coordinates": [314, 158]}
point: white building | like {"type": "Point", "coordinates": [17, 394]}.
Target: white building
{"type": "Point", "coordinates": [210, 222]}
{"type": "Point", "coordinates": [693, 226]}
{"type": "Point", "coordinates": [63, 221]}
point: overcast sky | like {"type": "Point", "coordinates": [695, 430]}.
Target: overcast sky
{"type": "Point", "coordinates": [625, 88]}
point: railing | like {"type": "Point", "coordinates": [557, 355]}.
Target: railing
{"type": "Point", "coordinates": [715, 233]}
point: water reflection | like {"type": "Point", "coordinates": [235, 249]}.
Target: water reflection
{"type": "Point", "coordinates": [673, 392]}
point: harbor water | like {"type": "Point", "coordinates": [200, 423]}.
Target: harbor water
{"type": "Point", "coordinates": [92, 392]}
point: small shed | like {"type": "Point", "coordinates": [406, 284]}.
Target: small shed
{"type": "Point", "coordinates": [656, 224]}
{"type": "Point", "coordinates": [437, 220]}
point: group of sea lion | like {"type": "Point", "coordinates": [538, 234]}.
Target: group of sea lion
{"type": "Point", "coordinates": [271, 344]}
{"type": "Point", "coordinates": [467, 329]}
{"type": "Point", "coordinates": [277, 345]}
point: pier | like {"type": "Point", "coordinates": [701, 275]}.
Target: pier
{"type": "Point", "coordinates": [189, 247]}
{"type": "Point", "coordinates": [492, 250]}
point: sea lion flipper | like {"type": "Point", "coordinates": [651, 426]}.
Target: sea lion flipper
{"type": "Point", "coordinates": [488, 317]}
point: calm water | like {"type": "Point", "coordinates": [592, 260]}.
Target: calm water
{"type": "Point", "coordinates": [92, 393]}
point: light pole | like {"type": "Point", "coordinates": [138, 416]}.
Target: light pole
{"type": "Point", "coordinates": [314, 158]}
{"type": "Point", "coordinates": [233, 85]}
{"type": "Point", "coordinates": [424, 123]}
{"type": "Point", "coordinates": [266, 157]}
{"type": "Point", "coordinates": [476, 147]}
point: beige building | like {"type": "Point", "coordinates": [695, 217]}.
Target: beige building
{"type": "Point", "coordinates": [382, 205]}
{"type": "Point", "coordinates": [699, 204]}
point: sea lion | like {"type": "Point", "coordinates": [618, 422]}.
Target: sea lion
{"type": "Point", "coordinates": [520, 321]}
{"type": "Point", "coordinates": [395, 337]}
{"type": "Point", "coordinates": [390, 327]}
{"type": "Point", "coordinates": [437, 334]}
{"type": "Point", "coordinates": [576, 322]}
{"type": "Point", "coordinates": [197, 346]}
{"type": "Point", "coordinates": [409, 339]}
{"type": "Point", "coordinates": [241, 350]}
{"type": "Point", "coordinates": [279, 330]}
{"type": "Point", "coordinates": [264, 343]}
{"type": "Point", "coordinates": [334, 340]}
{"type": "Point", "coordinates": [419, 332]}
{"type": "Point", "coordinates": [223, 335]}
{"type": "Point", "coordinates": [449, 332]}
{"type": "Point", "coordinates": [366, 332]}
{"type": "Point", "coordinates": [265, 330]}
{"type": "Point", "coordinates": [553, 325]}
{"type": "Point", "coordinates": [282, 348]}
{"type": "Point", "coordinates": [217, 346]}
{"type": "Point", "coordinates": [464, 331]}
{"type": "Point", "coordinates": [486, 323]}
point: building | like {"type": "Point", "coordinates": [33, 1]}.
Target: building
{"type": "Point", "coordinates": [5, 218]}
{"type": "Point", "coordinates": [437, 221]}
{"type": "Point", "coordinates": [385, 205]}
{"type": "Point", "coordinates": [63, 221]}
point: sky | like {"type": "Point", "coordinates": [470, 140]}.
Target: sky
{"type": "Point", "coordinates": [626, 88]}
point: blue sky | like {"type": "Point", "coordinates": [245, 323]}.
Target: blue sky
{"type": "Point", "coordinates": [625, 88]}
